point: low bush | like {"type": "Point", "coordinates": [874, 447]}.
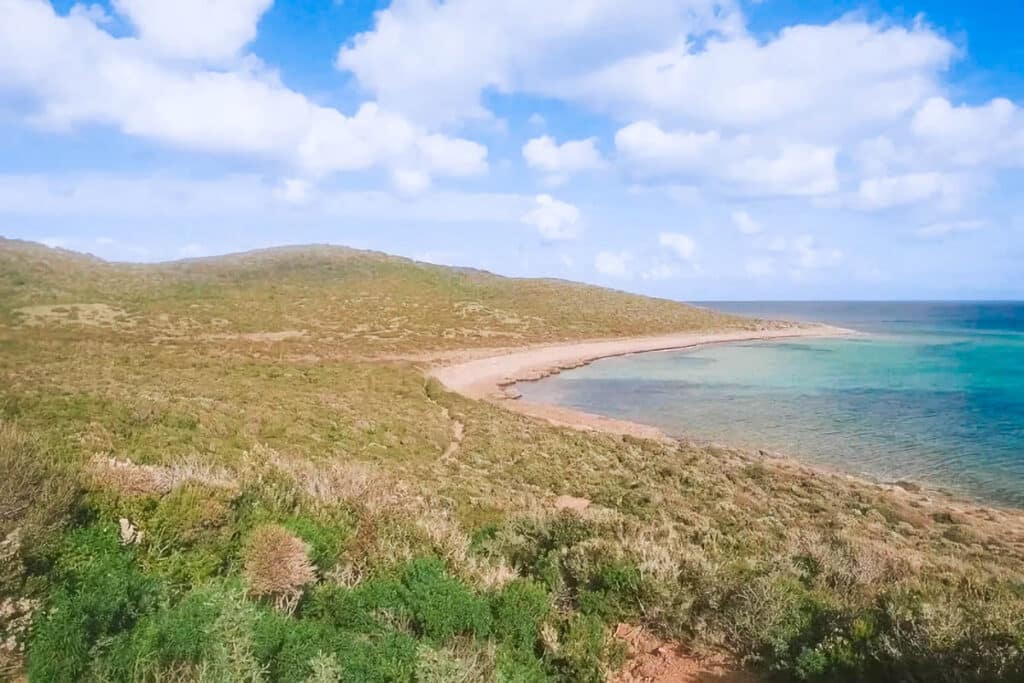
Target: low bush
{"type": "Point", "coordinates": [519, 610]}
{"type": "Point", "coordinates": [99, 593]}
{"type": "Point", "coordinates": [442, 606]}
{"type": "Point", "coordinates": [585, 650]}
{"type": "Point", "coordinates": [277, 566]}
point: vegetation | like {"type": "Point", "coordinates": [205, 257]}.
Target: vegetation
{"type": "Point", "coordinates": [234, 469]}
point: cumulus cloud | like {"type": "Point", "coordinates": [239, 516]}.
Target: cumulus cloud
{"type": "Point", "coordinates": [682, 246]}
{"type": "Point", "coordinates": [614, 263]}
{"type": "Point", "coordinates": [812, 79]}
{"type": "Point", "coordinates": [559, 161]}
{"type": "Point", "coordinates": [77, 73]}
{"type": "Point", "coordinates": [991, 133]}
{"type": "Point", "coordinates": [745, 223]}
{"type": "Point", "coordinates": [555, 220]}
{"type": "Point", "coordinates": [740, 165]}
{"type": "Point", "coordinates": [194, 29]}
{"type": "Point", "coordinates": [476, 45]}
{"type": "Point", "coordinates": [671, 60]}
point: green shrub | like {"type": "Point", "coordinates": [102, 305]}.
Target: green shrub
{"type": "Point", "coordinates": [519, 611]}
{"type": "Point", "coordinates": [364, 609]}
{"type": "Point", "coordinates": [585, 652]}
{"type": "Point", "coordinates": [192, 514]}
{"type": "Point", "coordinates": [292, 650]}
{"type": "Point", "coordinates": [37, 498]}
{"type": "Point", "coordinates": [613, 591]}
{"type": "Point", "coordinates": [98, 594]}
{"type": "Point", "coordinates": [519, 665]}
{"type": "Point", "coordinates": [326, 541]}
{"type": "Point", "coordinates": [287, 647]}
{"type": "Point", "coordinates": [231, 655]}
{"type": "Point", "coordinates": [442, 606]}
{"type": "Point", "coordinates": [441, 666]}
{"type": "Point", "coordinates": [537, 548]}
{"type": "Point", "coordinates": [175, 635]}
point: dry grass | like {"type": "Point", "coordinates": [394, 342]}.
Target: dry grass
{"type": "Point", "coordinates": [127, 478]}
{"type": "Point", "coordinates": [277, 566]}
{"type": "Point", "coordinates": [96, 315]}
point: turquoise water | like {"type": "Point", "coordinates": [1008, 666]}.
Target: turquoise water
{"type": "Point", "coordinates": [931, 392]}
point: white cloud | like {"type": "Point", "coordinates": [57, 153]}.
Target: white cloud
{"type": "Point", "coordinates": [554, 219]}
{"type": "Point", "coordinates": [195, 29]}
{"type": "Point", "coordinates": [939, 230]}
{"type": "Point", "coordinates": [741, 165]}
{"type": "Point", "coordinates": [900, 190]}
{"type": "Point", "coordinates": [95, 13]}
{"type": "Point", "coordinates": [614, 263]}
{"type": "Point", "coordinates": [809, 256]}
{"type": "Point", "coordinates": [476, 45]}
{"type": "Point", "coordinates": [682, 246]}
{"type": "Point", "coordinates": [559, 161]}
{"type": "Point", "coordinates": [646, 145]}
{"type": "Point", "coordinates": [811, 79]}
{"type": "Point", "coordinates": [877, 156]}
{"type": "Point", "coordinates": [410, 182]}
{"type": "Point", "coordinates": [965, 135]}
{"type": "Point", "coordinates": [680, 61]}
{"type": "Point", "coordinates": [796, 169]}
{"type": "Point", "coordinates": [77, 73]}
{"type": "Point", "coordinates": [745, 223]}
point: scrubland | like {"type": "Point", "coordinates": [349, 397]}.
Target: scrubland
{"type": "Point", "coordinates": [235, 469]}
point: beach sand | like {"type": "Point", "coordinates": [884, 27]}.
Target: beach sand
{"type": "Point", "coordinates": [491, 377]}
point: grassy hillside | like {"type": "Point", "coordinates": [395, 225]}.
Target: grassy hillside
{"type": "Point", "coordinates": [217, 470]}
{"type": "Point", "coordinates": [340, 300]}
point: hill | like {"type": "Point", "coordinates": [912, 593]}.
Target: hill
{"type": "Point", "coordinates": [235, 468]}
{"type": "Point", "coordinates": [368, 302]}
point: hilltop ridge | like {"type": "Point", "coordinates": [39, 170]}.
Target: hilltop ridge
{"type": "Point", "coordinates": [372, 302]}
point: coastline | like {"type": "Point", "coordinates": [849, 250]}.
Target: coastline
{"type": "Point", "coordinates": [491, 377]}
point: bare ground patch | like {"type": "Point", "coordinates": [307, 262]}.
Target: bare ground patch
{"type": "Point", "coordinates": [89, 315]}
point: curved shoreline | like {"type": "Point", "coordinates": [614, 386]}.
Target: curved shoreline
{"type": "Point", "coordinates": [490, 377]}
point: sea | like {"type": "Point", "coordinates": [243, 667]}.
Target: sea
{"type": "Point", "coordinates": [930, 392]}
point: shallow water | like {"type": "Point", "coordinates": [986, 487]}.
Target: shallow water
{"type": "Point", "coordinates": [933, 392]}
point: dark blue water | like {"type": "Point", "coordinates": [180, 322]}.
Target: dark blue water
{"type": "Point", "coordinates": [932, 392]}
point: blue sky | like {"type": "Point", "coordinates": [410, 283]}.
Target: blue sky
{"type": "Point", "coordinates": [697, 149]}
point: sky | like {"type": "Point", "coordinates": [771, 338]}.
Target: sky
{"type": "Point", "coordinates": [693, 149]}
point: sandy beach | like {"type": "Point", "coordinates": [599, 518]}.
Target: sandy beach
{"type": "Point", "coordinates": [490, 377]}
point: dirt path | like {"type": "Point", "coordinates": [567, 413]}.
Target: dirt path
{"type": "Point", "coordinates": [651, 660]}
